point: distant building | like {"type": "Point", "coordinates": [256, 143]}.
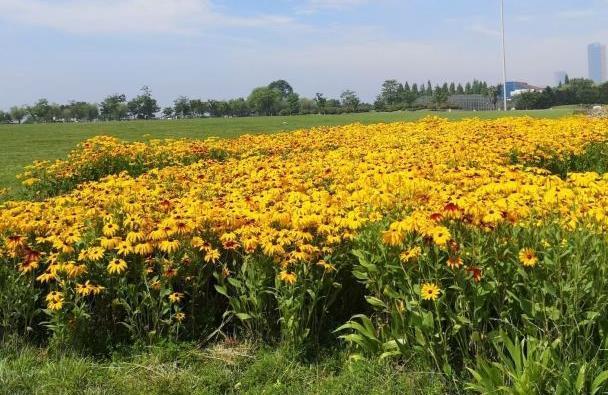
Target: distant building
{"type": "Point", "coordinates": [596, 53]}
{"type": "Point", "coordinates": [520, 87]}
{"type": "Point", "coordinates": [560, 77]}
{"type": "Point", "coordinates": [517, 92]}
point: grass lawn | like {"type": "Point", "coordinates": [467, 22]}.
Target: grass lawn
{"type": "Point", "coordinates": [186, 369]}
{"type": "Point", "coordinates": [22, 144]}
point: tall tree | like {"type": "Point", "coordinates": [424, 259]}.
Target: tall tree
{"type": "Point", "coordinates": [264, 100]}
{"type": "Point", "coordinates": [350, 101]}
{"type": "Point", "coordinates": [143, 106]}
{"type": "Point", "coordinates": [18, 113]}
{"type": "Point", "coordinates": [283, 87]}
{"type": "Point", "coordinates": [4, 117]}
{"type": "Point", "coordinates": [41, 111]}
{"type": "Point", "coordinates": [440, 97]}
{"type": "Point", "coordinates": [182, 107]}
{"type": "Point", "coordinates": [113, 107]}
{"type": "Point", "coordinates": [321, 102]}
{"type": "Point", "coordinates": [293, 103]}
{"type": "Point", "coordinates": [168, 112]}
{"type": "Point", "coordinates": [391, 92]}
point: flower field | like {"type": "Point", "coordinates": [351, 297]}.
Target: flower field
{"type": "Point", "coordinates": [478, 245]}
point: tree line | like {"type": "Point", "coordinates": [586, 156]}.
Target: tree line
{"type": "Point", "coordinates": [276, 98]}
{"type": "Point", "coordinates": [571, 91]}
{"type": "Point", "coordinates": [403, 96]}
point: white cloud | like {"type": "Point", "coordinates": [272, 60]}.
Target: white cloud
{"type": "Point", "coordinates": [119, 16]}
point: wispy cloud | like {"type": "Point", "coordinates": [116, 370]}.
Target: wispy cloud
{"type": "Point", "coordinates": [524, 18]}
{"type": "Point", "coordinates": [312, 6]}
{"type": "Point", "coordinates": [482, 29]}
{"type": "Point", "coordinates": [574, 13]}
{"type": "Point", "coordinates": [138, 16]}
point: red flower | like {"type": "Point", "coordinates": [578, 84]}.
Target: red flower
{"type": "Point", "coordinates": [450, 207]}
{"type": "Point", "coordinates": [453, 246]}
{"type": "Point", "coordinates": [436, 217]}
{"type": "Point", "coordinates": [476, 273]}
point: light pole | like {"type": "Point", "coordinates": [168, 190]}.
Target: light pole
{"type": "Point", "coordinates": [504, 55]}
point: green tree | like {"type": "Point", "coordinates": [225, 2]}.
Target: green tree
{"type": "Point", "coordinates": [113, 107]}
{"type": "Point", "coordinates": [493, 93]}
{"type": "Point", "coordinates": [182, 107]}
{"type": "Point", "coordinates": [264, 100]}
{"type": "Point", "coordinates": [18, 113]}
{"type": "Point", "coordinates": [198, 108]}
{"type": "Point", "coordinates": [350, 101]}
{"type": "Point", "coordinates": [168, 112]}
{"type": "Point", "coordinates": [293, 103]}
{"type": "Point", "coordinates": [391, 92]}
{"type": "Point", "coordinates": [143, 106]}
{"type": "Point", "coordinates": [41, 111]}
{"type": "Point", "coordinates": [440, 97]}
{"type": "Point", "coordinates": [283, 87]}
{"type": "Point", "coordinates": [4, 117]}
{"type": "Point", "coordinates": [308, 106]}
{"type": "Point", "coordinates": [321, 102]}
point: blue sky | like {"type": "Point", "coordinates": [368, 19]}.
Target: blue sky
{"type": "Point", "coordinates": [87, 49]}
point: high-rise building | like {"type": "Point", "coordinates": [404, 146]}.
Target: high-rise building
{"type": "Point", "coordinates": [597, 62]}
{"type": "Point", "coordinates": [560, 77]}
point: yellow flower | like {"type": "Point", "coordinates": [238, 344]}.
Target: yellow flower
{"type": "Point", "coordinates": [392, 237]}
{"type": "Point", "coordinates": [176, 297]}
{"type": "Point", "coordinates": [288, 277]}
{"type": "Point", "coordinates": [54, 300]}
{"type": "Point", "coordinates": [124, 248]}
{"type": "Point", "coordinates": [144, 249]}
{"type": "Point", "coordinates": [528, 257]}
{"type": "Point", "coordinates": [88, 288]}
{"type": "Point", "coordinates": [328, 267]}
{"type": "Point", "coordinates": [430, 291]}
{"type": "Point", "coordinates": [441, 235]}
{"type": "Point", "coordinates": [28, 266]}
{"type": "Point", "coordinates": [46, 277]}
{"type": "Point", "coordinates": [411, 254]}
{"type": "Point", "coordinates": [212, 256]}
{"type": "Point", "coordinates": [179, 316]}
{"type": "Point", "coordinates": [110, 229]}
{"type": "Point", "coordinates": [92, 254]}
{"type": "Point", "coordinates": [117, 266]}
{"type": "Point", "coordinates": [169, 246]}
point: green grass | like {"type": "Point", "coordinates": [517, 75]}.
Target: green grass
{"type": "Point", "coordinates": [186, 369]}
{"type": "Point", "coordinates": [22, 144]}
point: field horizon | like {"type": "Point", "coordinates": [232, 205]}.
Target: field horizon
{"type": "Point", "coordinates": [25, 143]}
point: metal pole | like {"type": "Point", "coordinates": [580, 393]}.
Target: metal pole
{"type": "Point", "coordinates": [504, 55]}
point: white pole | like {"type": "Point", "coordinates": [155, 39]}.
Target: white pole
{"type": "Point", "coordinates": [504, 55]}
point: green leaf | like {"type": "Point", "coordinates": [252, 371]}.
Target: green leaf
{"type": "Point", "coordinates": [243, 316]}
{"type": "Point", "coordinates": [598, 381]}
{"type": "Point", "coordinates": [375, 302]}
{"type": "Point", "coordinates": [580, 378]}
{"type": "Point", "coordinates": [222, 290]}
